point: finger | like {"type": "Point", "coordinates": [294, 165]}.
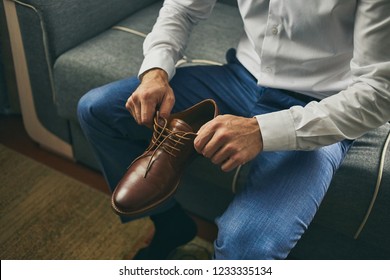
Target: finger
{"type": "Point", "coordinates": [221, 155]}
{"type": "Point", "coordinates": [215, 146]}
{"type": "Point", "coordinates": [129, 106]}
{"type": "Point", "coordinates": [202, 139]}
{"type": "Point", "coordinates": [147, 112]}
{"type": "Point", "coordinates": [167, 104]}
{"type": "Point", "coordinates": [132, 108]}
{"type": "Point", "coordinates": [230, 164]}
{"type": "Point", "coordinates": [203, 128]}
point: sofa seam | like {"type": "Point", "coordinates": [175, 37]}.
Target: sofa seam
{"type": "Point", "coordinates": [377, 186]}
{"type": "Point", "coordinates": [182, 61]}
{"type": "Point", "coordinates": [45, 46]}
{"type": "Point", "coordinates": [129, 30]}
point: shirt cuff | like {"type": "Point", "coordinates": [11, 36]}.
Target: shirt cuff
{"type": "Point", "coordinates": [277, 131]}
{"type": "Point", "coordinates": [158, 59]}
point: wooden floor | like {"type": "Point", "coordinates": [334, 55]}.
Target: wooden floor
{"type": "Point", "coordinates": [14, 136]}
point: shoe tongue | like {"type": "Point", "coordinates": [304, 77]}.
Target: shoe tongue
{"type": "Point", "coordinates": [179, 125]}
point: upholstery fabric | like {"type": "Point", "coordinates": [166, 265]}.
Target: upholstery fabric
{"type": "Point", "coordinates": [352, 188]}
{"type": "Point", "coordinates": [112, 55]}
{"type": "Point", "coordinates": [89, 18]}
{"type": "Point", "coordinates": [377, 228]}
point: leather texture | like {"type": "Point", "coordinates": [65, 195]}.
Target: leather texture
{"type": "Point", "coordinates": [153, 177]}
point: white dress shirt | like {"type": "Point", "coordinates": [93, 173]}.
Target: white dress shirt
{"type": "Point", "coordinates": [335, 50]}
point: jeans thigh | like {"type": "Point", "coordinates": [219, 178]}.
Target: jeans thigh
{"type": "Point", "coordinates": [230, 86]}
{"type": "Point", "coordinates": [283, 192]}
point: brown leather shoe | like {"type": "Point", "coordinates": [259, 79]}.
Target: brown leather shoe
{"type": "Point", "coordinates": [153, 177]}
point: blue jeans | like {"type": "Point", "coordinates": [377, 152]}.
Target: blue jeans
{"type": "Point", "coordinates": [283, 190]}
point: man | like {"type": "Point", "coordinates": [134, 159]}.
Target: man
{"type": "Point", "coordinates": [307, 78]}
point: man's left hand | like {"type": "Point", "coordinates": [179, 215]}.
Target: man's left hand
{"type": "Point", "coordinates": [229, 141]}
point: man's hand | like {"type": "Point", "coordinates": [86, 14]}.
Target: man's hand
{"type": "Point", "coordinates": [229, 141]}
{"type": "Point", "coordinates": [153, 93]}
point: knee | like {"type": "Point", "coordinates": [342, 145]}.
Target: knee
{"type": "Point", "coordinates": [84, 107]}
{"type": "Point", "coordinates": [90, 107]}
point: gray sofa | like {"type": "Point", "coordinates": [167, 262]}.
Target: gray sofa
{"type": "Point", "coordinates": [67, 47]}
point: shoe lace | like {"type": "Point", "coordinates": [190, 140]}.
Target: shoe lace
{"type": "Point", "coordinates": [161, 135]}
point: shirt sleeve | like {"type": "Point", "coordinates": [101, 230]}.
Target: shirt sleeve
{"type": "Point", "coordinates": [165, 44]}
{"type": "Point", "coordinates": [363, 106]}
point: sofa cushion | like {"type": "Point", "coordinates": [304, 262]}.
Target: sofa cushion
{"type": "Point", "coordinates": [353, 189]}
{"type": "Point", "coordinates": [117, 53]}
{"type": "Point", "coordinates": [110, 56]}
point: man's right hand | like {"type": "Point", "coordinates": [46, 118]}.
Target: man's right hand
{"type": "Point", "coordinates": [154, 93]}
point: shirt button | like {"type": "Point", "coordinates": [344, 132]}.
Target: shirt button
{"type": "Point", "coordinates": [274, 30]}
{"type": "Point", "coordinates": [267, 69]}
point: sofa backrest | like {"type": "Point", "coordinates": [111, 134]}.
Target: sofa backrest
{"type": "Point", "coordinates": [229, 2]}
{"type": "Point", "coordinates": [70, 22]}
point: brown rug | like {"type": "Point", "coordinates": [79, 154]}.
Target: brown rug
{"type": "Point", "coordinates": [45, 214]}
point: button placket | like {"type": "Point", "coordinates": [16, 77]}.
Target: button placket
{"type": "Point", "coordinates": [271, 41]}
{"type": "Point", "coordinates": [270, 45]}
